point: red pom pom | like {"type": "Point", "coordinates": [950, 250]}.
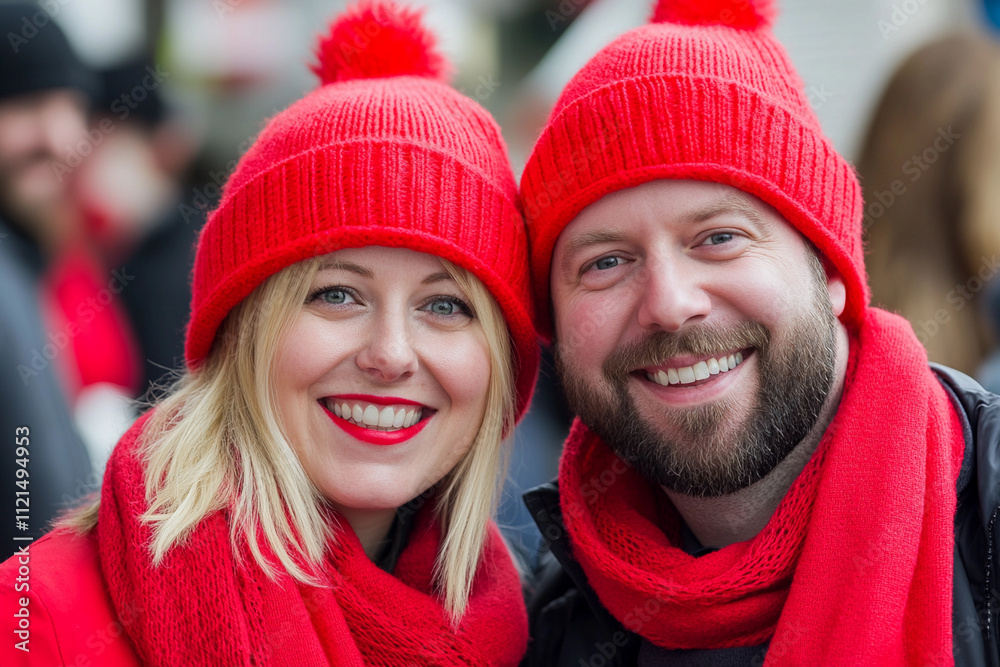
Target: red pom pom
{"type": "Point", "coordinates": [740, 14]}
{"type": "Point", "coordinates": [375, 39]}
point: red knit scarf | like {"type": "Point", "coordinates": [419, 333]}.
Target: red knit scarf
{"type": "Point", "coordinates": [199, 608]}
{"type": "Point", "coordinates": [855, 566]}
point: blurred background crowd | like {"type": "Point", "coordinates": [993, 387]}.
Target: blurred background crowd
{"type": "Point", "coordinates": [120, 121]}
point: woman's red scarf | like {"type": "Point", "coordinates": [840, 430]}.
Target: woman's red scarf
{"type": "Point", "coordinates": [855, 566]}
{"type": "Point", "coordinates": [200, 608]}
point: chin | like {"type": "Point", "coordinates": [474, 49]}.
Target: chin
{"type": "Point", "coordinates": [370, 499]}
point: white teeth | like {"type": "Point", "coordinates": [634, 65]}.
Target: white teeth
{"type": "Point", "coordinates": [387, 418]}
{"type": "Point", "coordinates": [700, 371]}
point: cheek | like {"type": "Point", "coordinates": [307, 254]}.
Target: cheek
{"type": "Point", "coordinates": [16, 136]}
{"type": "Point", "coordinates": [289, 386]}
{"type": "Point", "coordinates": [589, 327]}
{"type": "Point", "coordinates": [296, 363]}
{"type": "Point", "coordinates": [293, 361]}
{"type": "Point", "coordinates": [767, 297]}
{"type": "Point", "coordinates": [462, 367]}
{"type": "Point", "coordinates": [310, 349]}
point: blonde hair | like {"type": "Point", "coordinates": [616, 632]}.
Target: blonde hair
{"type": "Point", "coordinates": [217, 442]}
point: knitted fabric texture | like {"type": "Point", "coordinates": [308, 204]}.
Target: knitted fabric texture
{"type": "Point", "coordinates": [855, 566]}
{"type": "Point", "coordinates": [706, 93]}
{"type": "Point", "coordinates": [200, 608]}
{"type": "Point", "coordinates": [385, 154]}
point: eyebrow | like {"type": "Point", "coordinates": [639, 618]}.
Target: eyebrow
{"type": "Point", "coordinates": [338, 265]}
{"type": "Point", "coordinates": [578, 243]}
{"type": "Point", "coordinates": [730, 204]}
{"type": "Point", "coordinates": [436, 278]}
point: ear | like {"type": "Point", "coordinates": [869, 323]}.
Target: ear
{"type": "Point", "coordinates": [835, 287]}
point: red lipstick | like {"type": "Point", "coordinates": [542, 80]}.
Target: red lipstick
{"type": "Point", "coordinates": [370, 435]}
{"type": "Point", "coordinates": [377, 400]}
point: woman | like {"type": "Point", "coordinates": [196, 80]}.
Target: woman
{"type": "Point", "coordinates": [317, 489]}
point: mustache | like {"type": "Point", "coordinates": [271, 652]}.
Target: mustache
{"type": "Point", "coordinates": [662, 345]}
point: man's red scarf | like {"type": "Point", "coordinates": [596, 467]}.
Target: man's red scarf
{"type": "Point", "coordinates": [855, 566]}
{"type": "Point", "coordinates": [200, 608]}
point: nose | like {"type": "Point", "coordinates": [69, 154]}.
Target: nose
{"type": "Point", "coordinates": [672, 296]}
{"type": "Point", "coordinates": [61, 124]}
{"type": "Point", "coordinates": [388, 352]}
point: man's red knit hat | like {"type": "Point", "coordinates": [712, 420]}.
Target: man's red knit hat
{"type": "Point", "coordinates": [703, 92]}
{"type": "Point", "coordinates": [382, 153]}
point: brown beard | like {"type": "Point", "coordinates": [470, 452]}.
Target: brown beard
{"type": "Point", "coordinates": [701, 457]}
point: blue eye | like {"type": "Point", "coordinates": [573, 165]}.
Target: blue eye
{"type": "Point", "coordinates": [443, 308]}
{"type": "Point", "coordinates": [447, 306]}
{"type": "Point", "coordinates": [334, 296]}
{"type": "Point", "coordinates": [720, 238]}
{"type": "Point", "coordinates": [606, 263]}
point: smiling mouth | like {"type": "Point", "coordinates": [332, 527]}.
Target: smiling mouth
{"type": "Point", "coordinates": [376, 417]}
{"type": "Point", "coordinates": [703, 370]}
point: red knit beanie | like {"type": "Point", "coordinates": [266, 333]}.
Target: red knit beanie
{"type": "Point", "coordinates": [703, 92]}
{"type": "Point", "coordinates": [382, 153]}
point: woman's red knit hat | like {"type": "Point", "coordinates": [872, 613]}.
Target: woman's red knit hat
{"type": "Point", "coordinates": [382, 153]}
{"type": "Point", "coordinates": [703, 92]}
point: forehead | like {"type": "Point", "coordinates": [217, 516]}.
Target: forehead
{"type": "Point", "coordinates": [665, 203]}
{"type": "Point", "coordinates": [381, 259]}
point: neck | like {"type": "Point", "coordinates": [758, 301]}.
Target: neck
{"type": "Point", "coordinates": [737, 517]}
{"type": "Point", "coordinates": [371, 527]}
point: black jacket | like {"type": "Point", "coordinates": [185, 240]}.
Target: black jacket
{"type": "Point", "coordinates": [570, 627]}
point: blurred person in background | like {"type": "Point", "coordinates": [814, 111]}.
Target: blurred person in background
{"type": "Point", "coordinates": [361, 339]}
{"type": "Point", "coordinates": [44, 96]}
{"type": "Point", "coordinates": [92, 345]}
{"type": "Point", "coordinates": [130, 189]}
{"type": "Point", "coordinates": [930, 169]}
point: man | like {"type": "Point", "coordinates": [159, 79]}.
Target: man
{"type": "Point", "coordinates": [764, 470]}
{"type": "Point", "coordinates": [43, 104]}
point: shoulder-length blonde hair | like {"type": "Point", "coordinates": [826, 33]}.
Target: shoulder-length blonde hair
{"type": "Point", "coordinates": [217, 442]}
